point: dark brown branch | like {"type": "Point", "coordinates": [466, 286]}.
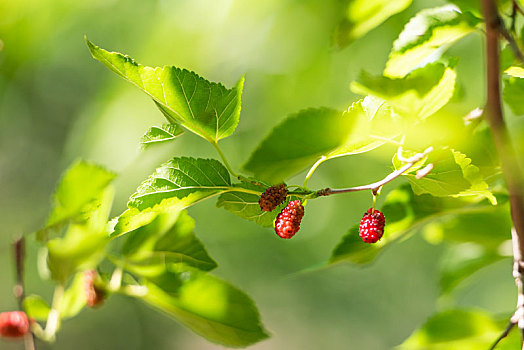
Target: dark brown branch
{"type": "Point", "coordinates": [510, 167]}
{"type": "Point", "coordinates": [19, 290]}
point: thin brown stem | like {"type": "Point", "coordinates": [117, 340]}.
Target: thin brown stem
{"type": "Point", "coordinates": [503, 335]}
{"type": "Point", "coordinates": [19, 289]}
{"type": "Point", "coordinates": [375, 186]}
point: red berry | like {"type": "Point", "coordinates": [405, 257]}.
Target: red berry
{"type": "Point", "coordinates": [94, 294]}
{"type": "Point", "coordinates": [272, 197]}
{"type": "Point", "coordinates": [13, 324]}
{"type": "Point", "coordinates": [371, 226]}
{"type": "Point", "coordinates": [288, 220]}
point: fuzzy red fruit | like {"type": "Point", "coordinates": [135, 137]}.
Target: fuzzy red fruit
{"type": "Point", "coordinates": [94, 295]}
{"type": "Point", "coordinates": [272, 197]}
{"type": "Point", "coordinates": [13, 324]}
{"type": "Point", "coordinates": [371, 226]}
{"type": "Point", "coordinates": [288, 220]}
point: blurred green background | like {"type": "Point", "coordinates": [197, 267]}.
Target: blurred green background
{"type": "Point", "coordinates": [58, 104]}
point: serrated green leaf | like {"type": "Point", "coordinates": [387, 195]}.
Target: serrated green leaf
{"type": "Point", "coordinates": [246, 205]}
{"type": "Point", "coordinates": [36, 307]}
{"type": "Point", "coordinates": [205, 108]}
{"type": "Point", "coordinates": [169, 238]}
{"type": "Point", "coordinates": [418, 95]}
{"type": "Point", "coordinates": [479, 187]}
{"type": "Point", "coordinates": [513, 92]}
{"type": "Point", "coordinates": [297, 142]}
{"type": "Point", "coordinates": [83, 244]}
{"type": "Point", "coordinates": [460, 329]}
{"type": "Point", "coordinates": [207, 305]}
{"type": "Point", "coordinates": [79, 187]}
{"type": "Point", "coordinates": [159, 135]}
{"type": "Point", "coordinates": [74, 298]}
{"type": "Point", "coordinates": [179, 178]}
{"type": "Point", "coordinates": [427, 35]}
{"type": "Point", "coordinates": [361, 16]}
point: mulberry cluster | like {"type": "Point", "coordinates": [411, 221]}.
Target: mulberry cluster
{"type": "Point", "coordinates": [371, 226]}
{"type": "Point", "coordinates": [94, 295]}
{"type": "Point", "coordinates": [13, 324]}
{"type": "Point", "coordinates": [272, 197]}
{"type": "Point", "coordinates": [288, 220]}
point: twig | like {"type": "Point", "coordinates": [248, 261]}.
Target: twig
{"type": "Point", "coordinates": [19, 290]}
{"type": "Point", "coordinates": [495, 21]}
{"type": "Point", "coordinates": [375, 186]}
{"type": "Point", "coordinates": [503, 335]}
{"type": "Point", "coordinates": [510, 167]}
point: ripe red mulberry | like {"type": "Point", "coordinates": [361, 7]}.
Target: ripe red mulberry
{"type": "Point", "coordinates": [288, 221]}
{"type": "Point", "coordinates": [13, 324]}
{"type": "Point", "coordinates": [94, 294]}
{"type": "Point", "coordinates": [272, 197]}
{"type": "Point", "coordinates": [371, 226]}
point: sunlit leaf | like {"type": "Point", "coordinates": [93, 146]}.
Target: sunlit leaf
{"type": "Point", "coordinates": [418, 95]}
{"type": "Point", "coordinates": [426, 37]}
{"type": "Point", "coordinates": [207, 305]}
{"type": "Point", "coordinates": [159, 135]}
{"type": "Point", "coordinates": [36, 307]}
{"type": "Point", "coordinates": [169, 238]}
{"type": "Point", "coordinates": [514, 90]}
{"type": "Point", "coordinates": [82, 246]}
{"type": "Point", "coordinates": [179, 178]}
{"type": "Point", "coordinates": [361, 16]}
{"type": "Point", "coordinates": [515, 71]}
{"type": "Point", "coordinates": [205, 108]}
{"type": "Point", "coordinates": [79, 187]}
{"type": "Point", "coordinates": [460, 329]}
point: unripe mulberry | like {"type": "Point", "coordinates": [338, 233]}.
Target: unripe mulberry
{"type": "Point", "coordinates": [272, 197]}
{"type": "Point", "coordinates": [288, 220]}
{"type": "Point", "coordinates": [94, 294]}
{"type": "Point", "coordinates": [13, 324]}
{"type": "Point", "coordinates": [371, 226]}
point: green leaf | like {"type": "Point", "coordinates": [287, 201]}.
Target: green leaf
{"type": "Point", "coordinates": [179, 178]}
{"type": "Point", "coordinates": [207, 305]}
{"type": "Point", "coordinates": [297, 142]}
{"type": "Point", "coordinates": [74, 298]}
{"type": "Point", "coordinates": [82, 246]}
{"type": "Point", "coordinates": [418, 95]}
{"type": "Point", "coordinates": [361, 16]}
{"type": "Point", "coordinates": [515, 71]}
{"type": "Point", "coordinates": [452, 175]}
{"type": "Point", "coordinates": [205, 108]}
{"type": "Point", "coordinates": [460, 329]}
{"type": "Point", "coordinates": [426, 37]}
{"type": "Point", "coordinates": [36, 307]}
{"type": "Point", "coordinates": [514, 91]}
{"type": "Point", "coordinates": [246, 205]}
{"type": "Point", "coordinates": [79, 187]}
{"type": "Point", "coordinates": [169, 238]}
{"type": "Point", "coordinates": [160, 135]}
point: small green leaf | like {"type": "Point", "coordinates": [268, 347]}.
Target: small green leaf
{"type": "Point", "coordinates": [169, 238]}
{"type": "Point", "coordinates": [79, 187]}
{"type": "Point", "coordinates": [515, 71]}
{"type": "Point", "coordinates": [158, 135]}
{"type": "Point", "coordinates": [179, 178]}
{"type": "Point", "coordinates": [205, 108]}
{"type": "Point", "coordinates": [297, 142]}
{"type": "Point", "coordinates": [427, 35]}
{"type": "Point", "coordinates": [36, 307]}
{"type": "Point", "coordinates": [74, 298]}
{"type": "Point", "coordinates": [514, 91]}
{"type": "Point", "coordinates": [418, 95]}
{"type": "Point", "coordinates": [361, 16]}
{"type": "Point", "coordinates": [207, 305]}
{"type": "Point", "coordinates": [246, 205]}
{"type": "Point", "coordinates": [82, 246]}
{"type": "Point", "coordinates": [460, 329]}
